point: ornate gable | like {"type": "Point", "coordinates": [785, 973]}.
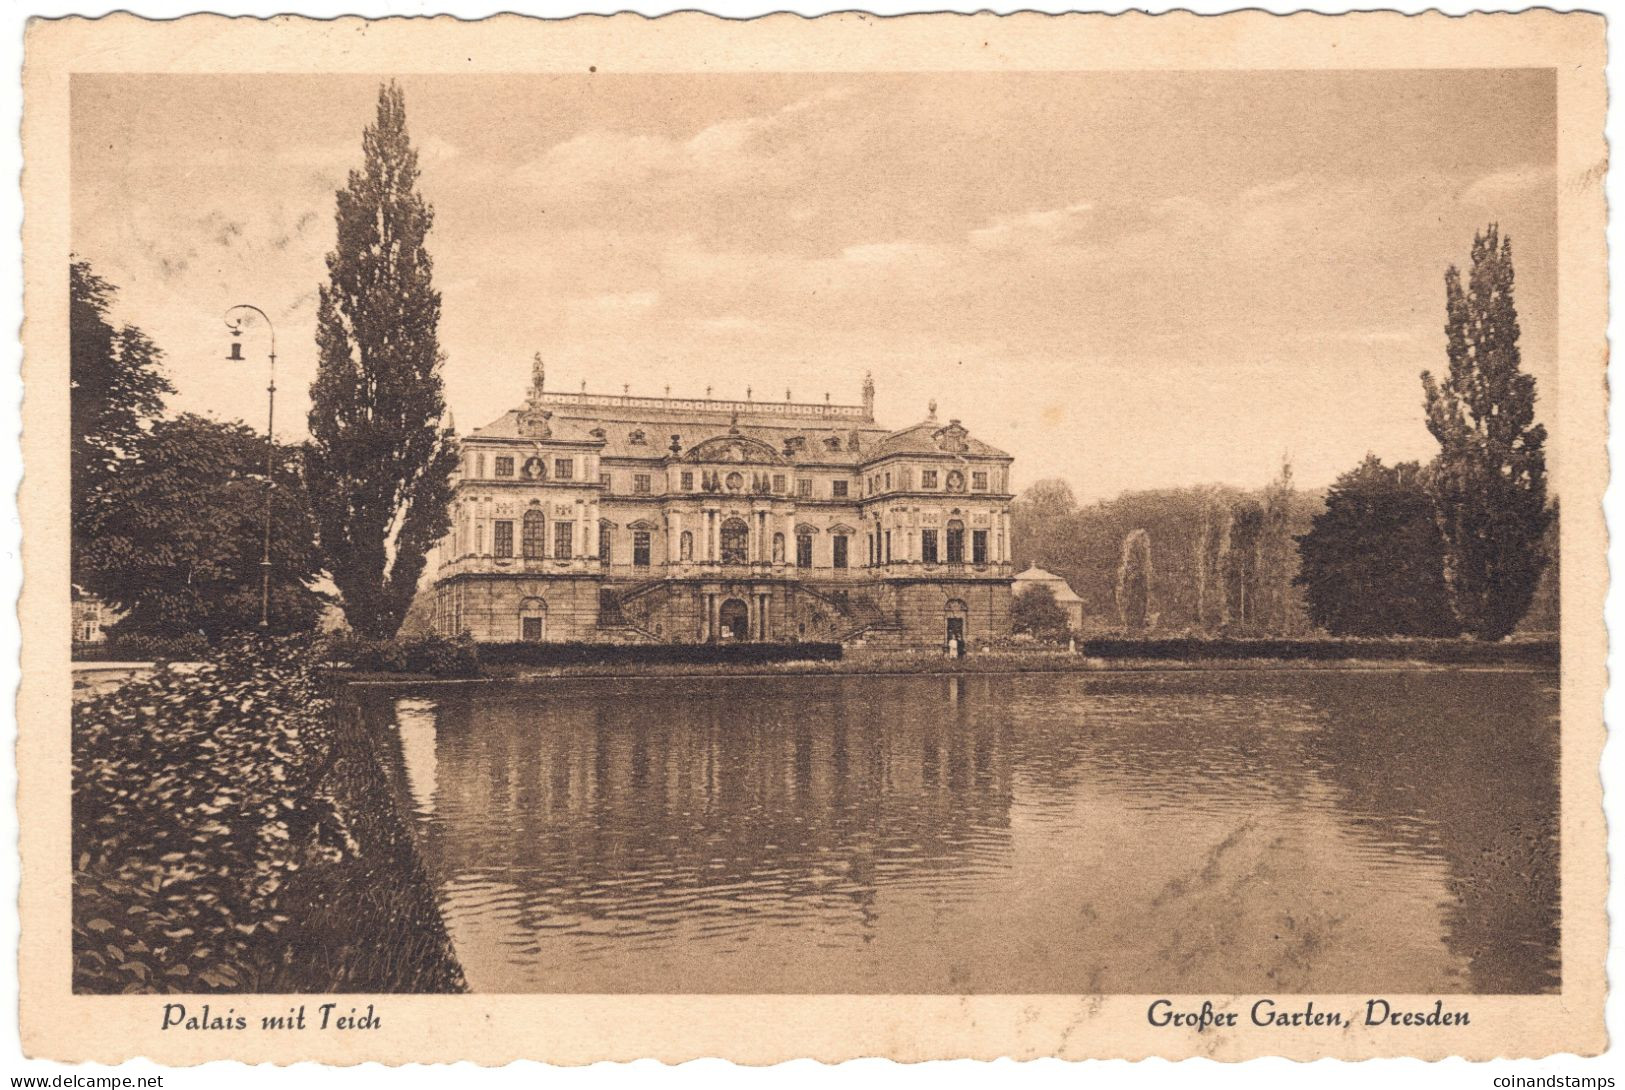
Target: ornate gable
{"type": "Point", "coordinates": [952, 437]}
{"type": "Point", "coordinates": [533, 424]}
{"type": "Point", "coordinates": [740, 449]}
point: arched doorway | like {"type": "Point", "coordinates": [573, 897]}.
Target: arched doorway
{"type": "Point", "coordinates": [533, 620]}
{"type": "Point", "coordinates": [734, 620]}
{"type": "Point", "coordinates": [955, 615]}
{"type": "Point", "coordinates": [735, 542]}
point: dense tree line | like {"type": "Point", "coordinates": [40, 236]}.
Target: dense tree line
{"type": "Point", "coordinates": [1202, 560]}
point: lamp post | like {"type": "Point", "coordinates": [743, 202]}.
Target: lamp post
{"type": "Point", "coordinates": [235, 324]}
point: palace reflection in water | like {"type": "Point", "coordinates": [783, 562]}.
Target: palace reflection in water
{"type": "Point", "coordinates": [1248, 831]}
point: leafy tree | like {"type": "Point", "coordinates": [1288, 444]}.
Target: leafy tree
{"type": "Point", "coordinates": [176, 542]}
{"type": "Point", "coordinates": [1488, 482]}
{"type": "Point", "coordinates": [1373, 561]}
{"type": "Point", "coordinates": [1037, 521]}
{"type": "Point", "coordinates": [379, 463]}
{"type": "Point", "coordinates": [115, 387]}
{"type": "Point", "coordinates": [1036, 612]}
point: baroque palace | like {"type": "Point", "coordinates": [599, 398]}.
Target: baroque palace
{"type": "Point", "coordinates": [598, 517]}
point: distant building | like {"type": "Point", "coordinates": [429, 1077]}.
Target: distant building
{"type": "Point", "coordinates": [601, 517]}
{"type": "Point", "coordinates": [1065, 597]}
{"type": "Point", "coordinates": [89, 615]}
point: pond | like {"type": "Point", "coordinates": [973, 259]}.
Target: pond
{"type": "Point", "coordinates": [1277, 831]}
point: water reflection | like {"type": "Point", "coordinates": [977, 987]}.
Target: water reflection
{"type": "Point", "coordinates": [1247, 831]}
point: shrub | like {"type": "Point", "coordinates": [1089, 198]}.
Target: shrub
{"type": "Point", "coordinates": [229, 835]}
{"type": "Point", "coordinates": [193, 804]}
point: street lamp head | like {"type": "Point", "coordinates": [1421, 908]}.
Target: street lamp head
{"type": "Point", "coordinates": [236, 349]}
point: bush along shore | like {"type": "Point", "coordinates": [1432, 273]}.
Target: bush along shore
{"type": "Point", "coordinates": [233, 832]}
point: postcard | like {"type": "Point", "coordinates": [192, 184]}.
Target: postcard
{"type": "Point", "coordinates": [926, 537]}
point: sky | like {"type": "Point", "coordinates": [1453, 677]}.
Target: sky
{"type": "Point", "coordinates": [1126, 280]}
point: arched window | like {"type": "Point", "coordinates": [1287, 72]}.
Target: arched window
{"type": "Point", "coordinates": [956, 542]}
{"type": "Point", "coordinates": [778, 548]}
{"type": "Point", "coordinates": [533, 536]}
{"type": "Point", "coordinates": [735, 542]}
{"type": "Point", "coordinates": [686, 545]}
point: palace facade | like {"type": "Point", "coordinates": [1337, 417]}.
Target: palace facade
{"type": "Point", "coordinates": [597, 517]}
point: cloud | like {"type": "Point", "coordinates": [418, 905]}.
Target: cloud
{"type": "Point", "coordinates": [1500, 186]}
{"type": "Point", "coordinates": [732, 323]}
{"type": "Point", "coordinates": [726, 153]}
{"type": "Point", "coordinates": [1044, 227]}
{"type": "Point", "coordinates": [891, 253]}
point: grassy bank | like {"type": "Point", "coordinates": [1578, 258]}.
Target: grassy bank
{"type": "Point", "coordinates": [232, 832]}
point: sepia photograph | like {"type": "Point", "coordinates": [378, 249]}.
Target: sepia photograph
{"type": "Point", "coordinates": [595, 532]}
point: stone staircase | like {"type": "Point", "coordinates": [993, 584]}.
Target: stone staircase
{"type": "Point", "coordinates": [877, 627]}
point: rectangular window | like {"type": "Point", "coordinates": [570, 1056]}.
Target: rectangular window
{"type": "Point", "coordinates": [928, 478]}
{"type": "Point", "coordinates": [530, 629]}
{"type": "Point", "coordinates": [839, 545]}
{"type": "Point", "coordinates": [888, 546]}
{"type": "Point", "coordinates": [640, 484]}
{"type": "Point", "coordinates": [688, 480]}
{"type": "Point", "coordinates": [564, 469]}
{"type": "Point", "coordinates": [502, 538]}
{"type": "Point", "coordinates": [804, 487]}
{"type": "Point", "coordinates": [803, 550]}
{"type": "Point", "coordinates": [640, 548]}
{"type": "Point", "coordinates": [978, 480]}
{"type": "Point", "coordinates": [978, 546]}
{"type": "Point", "coordinates": [928, 546]}
{"type": "Point", "coordinates": [607, 481]}
{"type": "Point", "coordinates": [838, 489]}
{"type": "Point", "coordinates": [564, 535]}
{"type": "Point", "coordinates": [778, 482]}
{"type": "Point", "coordinates": [956, 545]}
{"type": "Point", "coordinates": [888, 482]}
{"type": "Point", "coordinates": [479, 465]}
{"type": "Point", "coordinates": [504, 465]}
{"type": "Point", "coordinates": [603, 545]}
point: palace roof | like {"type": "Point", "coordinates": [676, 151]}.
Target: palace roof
{"type": "Point", "coordinates": [930, 437]}
{"type": "Point", "coordinates": [647, 427]}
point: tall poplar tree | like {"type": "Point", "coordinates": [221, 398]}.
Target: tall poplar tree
{"type": "Point", "coordinates": [1488, 483]}
{"type": "Point", "coordinates": [379, 465]}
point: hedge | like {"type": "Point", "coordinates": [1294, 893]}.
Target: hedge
{"type": "Point", "coordinates": [442, 656]}
{"type": "Point", "coordinates": [138, 648]}
{"type": "Point", "coordinates": [595, 654]}
{"type": "Point", "coordinates": [1464, 652]}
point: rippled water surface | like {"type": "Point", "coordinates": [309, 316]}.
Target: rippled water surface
{"type": "Point", "coordinates": [1247, 831]}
